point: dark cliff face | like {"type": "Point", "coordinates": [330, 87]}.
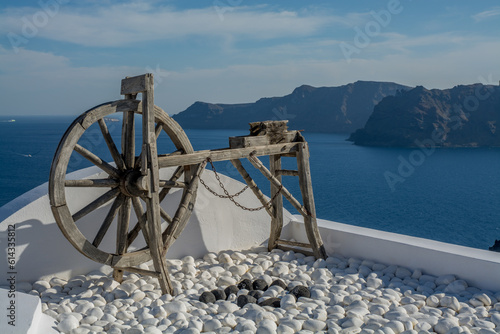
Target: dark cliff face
{"type": "Point", "coordinates": [340, 109]}
{"type": "Point", "coordinates": [463, 116]}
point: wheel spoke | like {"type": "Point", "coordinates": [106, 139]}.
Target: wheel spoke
{"type": "Point", "coordinates": [108, 220]}
{"type": "Point", "coordinates": [111, 145]}
{"type": "Point", "coordinates": [141, 222]}
{"type": "Point", "coordinates": [158, 128]}
{"type": "Point", "coordinates": [97, 161]}
{"type": "Point", "coordinates": [128, 139]}
{"type": "Point", "coordinates": [172, 184]}
{"type": "Point", "coordinates": [175, 176]}
{"type": "Point", "coordinates": [180, 218]}
{"type": "Point", "coordinates": [97, 183]}
{"type": "Point", "coordinates": [101, 200]}
{"type": "Point", "coordinates": [165, 216]}
{"type": "Point", "coordinates": [123, 223]}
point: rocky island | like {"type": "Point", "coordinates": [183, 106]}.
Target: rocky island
{"type": "Point", "coordinates": [341, 109]}
{"type": "Point", "coordinates": [463, 116]}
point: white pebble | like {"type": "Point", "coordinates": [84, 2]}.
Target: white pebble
{"type": "Point", "coordinates": [68, 323]}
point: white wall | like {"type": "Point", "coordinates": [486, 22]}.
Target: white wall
{"type": "Point", "coordinates": [42, 251]}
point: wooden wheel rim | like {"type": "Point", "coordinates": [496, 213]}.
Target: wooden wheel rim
{"type": "Point", "coordinates": [57, 193]}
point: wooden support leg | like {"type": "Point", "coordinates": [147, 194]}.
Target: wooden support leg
{"type": "Point", "coordinates": [308, 200]}
{"type": "Point", "coordinates": [253, 186]}
{"type": "Point", "coordinates": [277, 217]}
{"type": "Point", "coordinates": [150, 169]}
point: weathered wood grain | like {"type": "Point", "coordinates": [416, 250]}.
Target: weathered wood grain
{"type": "Point", "coordinates": [305, 184]}
{"type": "Point", "coordinates": [277, 218]}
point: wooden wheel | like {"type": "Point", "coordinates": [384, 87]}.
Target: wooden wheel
{"type": "Point", "coordinates": [125, 186]}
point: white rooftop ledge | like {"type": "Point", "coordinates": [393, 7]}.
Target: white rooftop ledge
{"type": "Point", "coordinates": [480, 268]}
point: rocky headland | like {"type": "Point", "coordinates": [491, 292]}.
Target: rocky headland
{"type": "Point", "coordinates": [463, 116]}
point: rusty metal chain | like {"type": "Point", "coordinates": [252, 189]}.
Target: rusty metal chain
{"type": "Point", "coordinates": [231, 197]}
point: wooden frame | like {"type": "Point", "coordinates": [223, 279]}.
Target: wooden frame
{"type": "Point", "coordinates": [135, 179]}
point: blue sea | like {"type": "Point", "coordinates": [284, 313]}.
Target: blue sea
{"type": "Point", "coordinates": [450, 195]}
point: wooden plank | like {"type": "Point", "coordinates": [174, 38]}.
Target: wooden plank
{"type": "Point", "coordinates": [258, 164]}
{"type": "Point", "coordinates": [133, 85]}
{"type": "Point", "coordinates": [101, 200]}
{"type": "Point", "coordinates": [293, 243]}
{"type": "Point", "coordinates": [108, 220]}
{"type": "Point", "coordinates": [128, 139]}
{"type": "Point", "coordinates": [98, 183]}
{"type": "Point", "coordinates": [249, 141]}
{"type": "Point", "coordinates": [252, 185]}
{"type": "Point", "coordinates": [152, 171]}
{"type": "Point", "coordinates": [308, 200]}
{"type": "Point", "coordinates": [287, 172]}
{"type": "Point", "coordinates": [225, 154]}
{"type": "Point", "coordinates": [277, 218]}
{"type": "Point", "coordinates": [122, 233]}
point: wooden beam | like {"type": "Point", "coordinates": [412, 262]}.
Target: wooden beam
{"type": "Point", "coordinates": [277, 218]}
{"type": "Point", "coordinates": [250, 141]}
{"type": "Point", "coordinates": [308, 200]}
{"type": "Point", "coordinates": [258, 164]}
{"type": "Point", "coordinates": [252, 185]}
{"type": "Point", "coordinates": [225, 154]}
{"type": "Point", "coordinates": [293, 243]}
{"type": "Point", "coordinates": [287, 172]}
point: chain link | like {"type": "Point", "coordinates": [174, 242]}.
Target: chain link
{"type": "Point", "coordinates": [231, 197]}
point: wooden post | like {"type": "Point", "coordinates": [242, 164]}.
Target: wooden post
{"type": "Point", "coordinates": [308, 201]}
{"type": "Point", "coordinates": [151, 171]}
{"type": "Point", "coordinates": [277, 217]}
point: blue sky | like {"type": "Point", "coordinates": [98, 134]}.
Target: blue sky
{"type": "Point", "coordinates": [63, 57]}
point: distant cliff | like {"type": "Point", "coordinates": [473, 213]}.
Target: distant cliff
{"type": "Point", "coordinates": [340, 109]}
{"type": "Point", "coordinates": [463, 116]}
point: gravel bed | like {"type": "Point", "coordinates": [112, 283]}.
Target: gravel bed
{"type": "Point", "coordinates": [346, 296]}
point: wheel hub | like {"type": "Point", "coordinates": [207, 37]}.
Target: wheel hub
{"type": "Point", "coordinates": [133, 183]}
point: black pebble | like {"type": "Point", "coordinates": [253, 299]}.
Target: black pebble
{"type": "Point", "coordinates": [245, 284]}
{"type": "Point", "coordinates": [245, 299]}
{"type": "Point", "coordinates": [259, 284]}
{"type": "Point", "coordinates": [300, 291]}
{"type": "Point", "coordinates": [280, 283]}
{"type": "Point", "coordinates": [273, 301]}
{"type": "Point", "coordinates": [231, 289]}
{"type": "Point", "coordinates": [207, 297]}
{"type": "Point", "coordinates": [256, 294]}
{"type": "Point", "coordinates": [219, 294]}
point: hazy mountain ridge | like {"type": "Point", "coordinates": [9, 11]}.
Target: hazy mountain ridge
{"type": "Point", "coordinates": [341, 109]}
{"type": "Point", "coordinates": [462, 116]}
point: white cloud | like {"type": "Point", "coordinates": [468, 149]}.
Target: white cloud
{"type": "Point", "coordinates": [128, 23]}
{"type": "Point", "coordinates": [51, 85]}
{"type": "Point", "coordinates": [487, 14]}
